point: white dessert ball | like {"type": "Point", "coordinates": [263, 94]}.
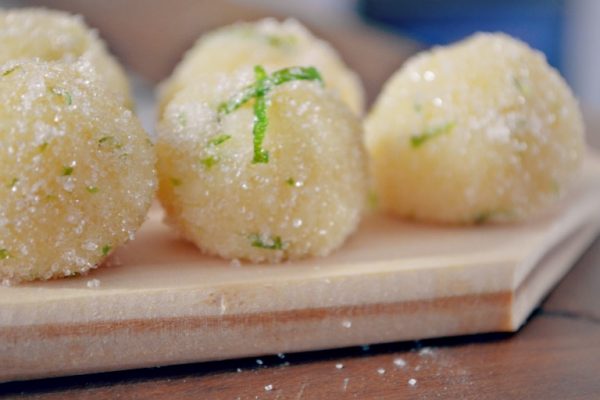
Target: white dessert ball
{"type": "Point", "coordinates": [76, 171]}
{"type": "Point", "coordinates": [58, 36]}
{"type": "Point", "coordinates": [483, 130]}
{"type": "Point", "coordinates": [272, 44]}
{"type": "Point", "coordinates": [299, 193]}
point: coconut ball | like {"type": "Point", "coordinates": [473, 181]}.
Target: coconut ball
{"type": "Point", "coordinates": [270, 43]}
{"type": "Point", "coordinates": [301, 193]}
{"type": "Point", "coordinates": [58, 36]}
{"type": "Point", "coordinates": [76, 171]}
{"type": "Point", "coordinates": [483, 130]}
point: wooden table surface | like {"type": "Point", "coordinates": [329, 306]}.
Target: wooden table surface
{"type": "Point", "coordinates": [556, 355]}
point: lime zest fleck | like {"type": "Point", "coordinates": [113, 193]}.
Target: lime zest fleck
{"type": "Point", "coordinates": [525, 90]}
{"type": "Point", "coordinates": [290, 181]}
{"type": "Point", "coordinates": [42, 147]}
{"type": "Point", "coordinates": [92, 189]}
{"type": "Point", "coordinates": [109, 141]}
{"type": "Point", "coordinates": [4, 254]}
{"type": "Point", "coordinates": [106, 249]}
{"type": "Point", "coordinates": [176, 181]}
{"type": "Point", "coordinates": [67, 171]}
{"type": "Point", "coordinates": [217, 140]}
{"type": "Point", "coordinates": [209, 161]}
{"type": "Point", "coordinates": [372, 200]}
{"type": "Point", "coordinates": [258, 91]}
{"type": "Point", "coordinates": [295, 74]}
{"type": "Point", "coordinates": [261, 121]}
{"type": "Point", "coordinates": [238, 100]}
{"type": "Point", "coordinates": [430, 133]}
{"type": "Point", "coordinates": [482, 217]}
{"type": "Point", "coordinates": [12, 183]}
{"type": "Point", "coordinates": [62, 93]}
{"type": "Point", "coordinates": [11, 70]}
{"type": "Point", "coordinates": [281, 41]}
{"type": "Point", "coordinates": [274, 243]}
{"type": "Point", "coordinates": [485, 216]}
{"type": "Point", "coordinates": [182, 119]}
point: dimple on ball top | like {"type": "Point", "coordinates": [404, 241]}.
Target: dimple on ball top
{"type": "Point", "coordinates": [483, 130]}
{"type": "Point", "coordinates": [76, 171]}
{"type": "Point", "coordinates": [270, 43]}
{"type": "Point", "coordinates": [48, 35]}
{"type": "Point", "coordinates": [262, 167]}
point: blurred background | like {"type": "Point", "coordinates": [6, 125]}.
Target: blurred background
{"type": "Point", "coordinates": [373, 36]}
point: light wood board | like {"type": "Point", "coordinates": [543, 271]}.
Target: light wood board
{"type": "Point", "coordinates": [162, 302]}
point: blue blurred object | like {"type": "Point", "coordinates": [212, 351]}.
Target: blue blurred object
{"type": "Point", "coordinates": [537, 22]}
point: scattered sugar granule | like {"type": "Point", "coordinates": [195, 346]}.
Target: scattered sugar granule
{"type": "Point", "coordinates": [339, 366]}
{"type": "Point", "coordinates": [93, 283]}
{"type": "Point", "coordinates": [259, 361]}
{"type": "Point", "coordinates": [281, 355]}
{"type": "Point", "coordinates": [381, 371]}
{"type": "Point", "coordinates": [412, 381]}
{"type": "Point", "coordinates": [239, 370]}
{"type": "Point", "coordinates": [426, 351]}
{"type": "Point", "coordinates": [365, 347]}
{"type": "Point", "coordinates": [345, 384]}
{"type": "Point", "coordinates": [268, 388]}
{"type": "Point", "coordinates": [399, 362]}
{"type": "Point", "coordinates": [347, 324]}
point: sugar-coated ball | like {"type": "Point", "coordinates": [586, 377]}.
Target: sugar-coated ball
{"type": "Point", "coordinates": [300, 193]}
{"type": "Point", "coordinates": [58, 36]}
{"type": "Point", "coordinates": [269, 43]}
{"type": "Point", "coordinates": [76, 171]}
{"type": "Point", "coordinates": [483, 130]}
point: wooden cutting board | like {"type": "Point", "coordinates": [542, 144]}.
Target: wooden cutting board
{"type": "Point", "coordinates": [161, 302]}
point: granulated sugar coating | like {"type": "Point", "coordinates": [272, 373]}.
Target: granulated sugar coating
{"type": "Point", "coordinates": [76, 171]}
{"type": "Point", "coordinates": [269, 43]}
{"type": "Point", "coordinates": [484, 130]}
{"type": "Point", "coordinates": [304, 200]}
{"type": "Point", "coordinates": [58, 36]}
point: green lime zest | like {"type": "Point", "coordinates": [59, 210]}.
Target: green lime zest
{"type": "Point", "coordinates": [62, 93]}
{"type": "Point", "coordinates": [67, 171]}
{"type": "Point", "coordinates": [525, 90]}
{"type": "Point", "coordinates": [290, 181]}
{"type": "Point", "coordinates": [109, 141]}
{"type": "Point", "coordinates": [430, 133]}
{"type": "Point", "coordinates": [258, 91]}
{"type": "Point", "coordinates": [274, 243]}
{"type": "Point", "coordinates": [483, 217]}
{"type": "Point", "coordinates": [217, 140]}
{"type": "Point", "coordinates": [106, 249]}
{"type": "Point", "coordinates": [281, 41]}
{"type": "Point", "coordinates": [92, 189]}
{"type": "Point", "coordinates": [12, 183]}
{"type": "Point", "coordinates": [209, 161]}
{"type": "Point", "coordinates": [176, 181]}
{"type": "Point", "coordinates": [11, 70]}
{"type": "Point", "coordinates": [182, 119]}
{"type": "Point", "coordinates": [261, 121]}
{"type": "Point", "coordinates": [42, 147]}
{"type": "Point", "coordinates": [4, 254]}
{"type": "Point", "coordinates": [372, 200]}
